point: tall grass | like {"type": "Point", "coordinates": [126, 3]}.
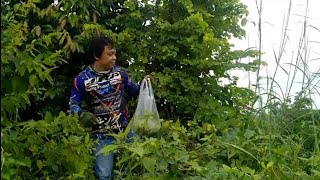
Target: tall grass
{"type": "Point", "coordinates": [285, 113]}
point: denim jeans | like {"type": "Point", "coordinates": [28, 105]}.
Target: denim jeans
{"type": "Point", "coordinates": [103, 164]}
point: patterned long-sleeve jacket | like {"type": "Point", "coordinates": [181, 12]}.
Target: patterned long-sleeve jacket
{"type": "Point", "coordinates": [105, 94]}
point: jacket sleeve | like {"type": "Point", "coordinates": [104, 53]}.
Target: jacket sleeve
{"type": "Point", "coordinates": [130, 87]}
{"type": "Point", "coordinates": [77, 95]}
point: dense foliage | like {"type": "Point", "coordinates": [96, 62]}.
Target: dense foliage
{"type": "Point", "coordinates": [186, 42]}
{"type": "Point", "coordinates": [209, 131]}
{"type": "Point", "coordinates": [55, 148]}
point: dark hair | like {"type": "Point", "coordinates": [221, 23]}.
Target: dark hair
{"type": "Point", "coordinates": [96, 47]}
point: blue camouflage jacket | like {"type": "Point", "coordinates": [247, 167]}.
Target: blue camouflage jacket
{"type": "Point", "coordinates": [106, 95]}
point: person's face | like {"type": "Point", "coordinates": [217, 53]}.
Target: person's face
{"type": "Point", "coordinates": [108, 58]}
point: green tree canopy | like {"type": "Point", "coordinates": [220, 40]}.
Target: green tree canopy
{"type": "Point", "coordinates": [184, 43]}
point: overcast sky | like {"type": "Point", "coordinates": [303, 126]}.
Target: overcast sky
{"type": "Point", "coordinates": [273, 14]}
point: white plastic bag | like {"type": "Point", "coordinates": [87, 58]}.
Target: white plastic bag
{"type": "Point", "coordinates": [146, 118]}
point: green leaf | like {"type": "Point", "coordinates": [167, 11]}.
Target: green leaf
{"type": "Point", "coordinates": [270, 164]}
{"type": "Point", "coordinates": [87, 138]}
{"type": "Point", "coordinates": [162, 164]}
{"type": "Point", "coordinates": [33, 80]}
{"type": "Point", "coordinates": [227, 168]}
{"type": "Point", "coordinates": [63, 23]}
{"type": "Point", "coordinates": [175, 135]}
{"type": "Point", "coordinates": [39, 164]}
{"type": "Point", "coordinates": [48, 117]}
{"type": "Point", "coordinates": [256, 177]}
{"type": "Point", "coordinates": [244, 21]}
{"type": "Point", "coordinates": [62, 39]}
{"type": "Point", "coordinates": [247, 170]}
{"type": "Point", "coordinates": [55, 167]}
{"type": "Point", "coordinates": [149, 164]}
{"type": "Point", "coordinates": [108, 149]}
{"type": "Point", "coordinates": [38, 31]}
{"type": "Point", "coordinates": [240, 148]}
{"type": "Point", "coordinates": [65, 140]}
{"type": "Point", "coordinates": [137, 150]}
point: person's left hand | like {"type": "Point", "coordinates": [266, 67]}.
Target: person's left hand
{"type": "Point", "coordinates": [88, 119]}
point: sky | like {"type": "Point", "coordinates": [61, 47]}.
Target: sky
{"type": "Point", "coordinates": [274, 13]}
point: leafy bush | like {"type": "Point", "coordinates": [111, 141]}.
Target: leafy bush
{"type": "Point", "coordinates": [60, 148]}
{"type": "Point", "coordinates": [53, 148]}
{"type": "Point", "coordinates": [200, 152]}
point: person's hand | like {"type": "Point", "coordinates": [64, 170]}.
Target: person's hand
{"type": "Point", "coordinates": [87, 119]}
{"type": "Point", "coordinates": [149, 76]}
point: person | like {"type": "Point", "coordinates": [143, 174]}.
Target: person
{"type": "Point", "coordinates": [106, 89]}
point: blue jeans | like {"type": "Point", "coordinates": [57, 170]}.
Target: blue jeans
{"type": "Point", "coordinates": [103, 164]}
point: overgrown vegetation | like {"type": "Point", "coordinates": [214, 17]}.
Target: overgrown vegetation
{"type": "Point", "coordinates": [209, 130]}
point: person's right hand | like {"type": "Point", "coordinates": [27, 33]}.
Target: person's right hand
{"type": "Point", "coordinates": [87, 119]}
{"type": "Point", "coordinates": [149, 76]}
